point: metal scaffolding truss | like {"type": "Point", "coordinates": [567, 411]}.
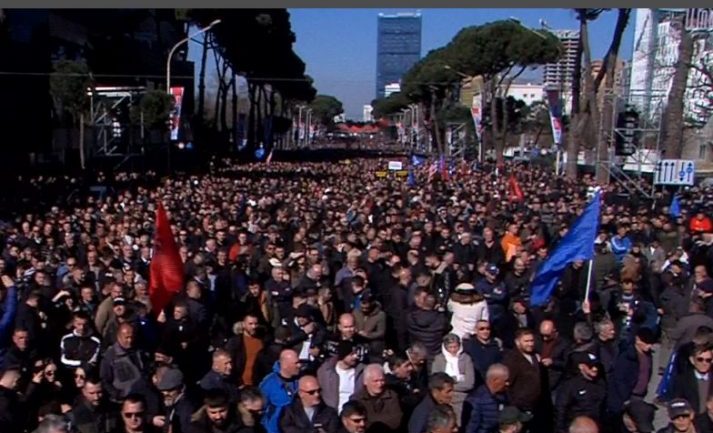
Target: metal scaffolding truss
{"type": "Point", "coordinates": [108, 134]}
{"type": "Point", "coordinates": [647, 150]}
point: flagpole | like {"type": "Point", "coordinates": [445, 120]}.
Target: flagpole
{"type": "Point", "coordinates": [589, 281]}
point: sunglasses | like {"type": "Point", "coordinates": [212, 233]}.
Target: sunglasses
{"type": "Point", "coordinates": [312, 391]}
{"type": "Point", "coordinates": [706, 360]}
{"type": "Point", "coordinates": [484, 328]}
{"type": "Point", "coordinates": [132, 414]}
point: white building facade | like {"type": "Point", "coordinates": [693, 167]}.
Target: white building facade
{"type": "Point", "coordinates": [655, 54]}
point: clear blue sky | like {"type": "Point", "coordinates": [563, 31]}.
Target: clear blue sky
{"type": "Point", "coordinates": [339, 45]}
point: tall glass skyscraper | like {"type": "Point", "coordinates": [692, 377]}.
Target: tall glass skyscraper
{"type": "Point", "coordinates": [398, 47]}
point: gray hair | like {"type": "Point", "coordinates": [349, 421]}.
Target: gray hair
{"type": "Point", "coordinates": [418, 348]}
{"type": "Point", "coordinates": [599, 326]}
{"type": "Point", "coordinates": [582, 331]}
{"type": "Point", "coordinates": [497, 370]}
{"type": "Point", "coordinates": [441, 417]}
{"type": "Point", "coordinates": [450, 339]}
{"type": "Point", "coordinates": [52, 423]}
{"type": "Point", "coordinates": [373, 370]}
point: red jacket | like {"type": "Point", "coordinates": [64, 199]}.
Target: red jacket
{"type": "Point", "coordinates": [701, 225]}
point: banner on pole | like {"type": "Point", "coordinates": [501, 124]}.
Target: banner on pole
{"type": "Point", "coordinates": [554, 102]}
{"type": "Point", "coordinates": [476, 111]}
{"type": "Point", "coordinates": [177, 93]}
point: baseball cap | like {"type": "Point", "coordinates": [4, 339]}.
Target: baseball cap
{"type": "Point", "coordinates": [119, 301]}
{"type": "Point", "coordinates": [678, 407]}
{"type": "Point", "coordinates": [511, 415]}
{"type": "Point", "coordinates": [588, 358]}
{"type": "Point", "coordinates": [492, 269]}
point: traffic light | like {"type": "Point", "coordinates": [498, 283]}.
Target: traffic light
{"type": "Point", "coordinates": [627, 136]}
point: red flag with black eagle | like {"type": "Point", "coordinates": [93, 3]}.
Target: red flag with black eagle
{"type": "Point", "coordinates": [166, 270]}
{"type": "Point", "coordinates": [516, 193]}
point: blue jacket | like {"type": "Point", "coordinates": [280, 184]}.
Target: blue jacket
{"type": "Point", "coordinates": [278, 393]}
{"type": "Point", "coordinates": [495, 295]}
{"type": "Point", "coordinates": [620, 246]}
{"type": "Point", "coordinates": [7, 321]}
{"type": "Point", "coordinates": [481, 411]}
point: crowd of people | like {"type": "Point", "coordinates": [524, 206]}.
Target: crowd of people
{"type": "Point", "coordinates": [321, 298]}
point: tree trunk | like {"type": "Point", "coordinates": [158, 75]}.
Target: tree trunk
{"type": "Point", "coordinates": [81, 141]}
{"type": "Point", "coordinates": [201, 80]}
{"type": "Point", "coordinates": [435, 130]}
{"type": "Point", "coordinates": [673, 121]}
{"type": "Point", "coordinates": [573, 138]}
{"type": "Point", "coordinates": [250, 121]}
{"type": "Point", "coordinates": [607, 110]}
{"type": "Point", "coordinates": [224, 103]}
{"type": "Point", "coordinates": [506, 114]}
{"type": "Point", "coordinates": [494, 128]}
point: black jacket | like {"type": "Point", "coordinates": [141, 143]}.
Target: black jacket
{"type": "Point", "coordinates": [579, 397]}
{"type": "Point", "coordinates": [11, 411]}
{"type": "Point", "coordinates": [703, 423]}
{"type": "Point", "coordinates": [419, 418]}
{"type": "Point", "coordinates": [294, 419]}
{"type": "Point", "coordinates": [483, 355]}
{"type": "Point", "coordinates": [89, 419]}
{"type": "Point", "coordinates": [427, 327]}
{"type": "Point", "coordinates": [77, 350]}
{"type": "Point", "coordinates": [685, 386]}
{"type": "Point", "coordinates": [555, 372]}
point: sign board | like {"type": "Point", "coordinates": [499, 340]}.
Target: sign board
{"type": "Point", "coordinates": [381, 174]}
{"type": "Point", "coordinates": [680, 172]}
{"type": "Point", "coordinates": [402, 173]}
{"type": "Point", "coordinates": [177, 93]}
{"type": "Point", "coordinates": [396, 165]}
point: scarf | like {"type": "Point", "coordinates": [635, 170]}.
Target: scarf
{"type": "Point", "coordinates": [452, 364]}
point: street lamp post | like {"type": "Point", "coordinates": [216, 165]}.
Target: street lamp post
{"type": "Point", "coordinates": [168, 73]}
{"type": "Point", "coordinates": [178, 44]}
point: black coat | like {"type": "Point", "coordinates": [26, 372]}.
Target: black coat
{"type": "Point", "coordinates": [556, 371]}
{"type": "Point", "coordinates": [427, 327]}
{"type": "Point", "coordinates": [11, 411]}
{"type": "Point", "coordinates": [685, 386]}
{"type": "Point", "coordinates": [483, 356]}
{"type": "Point", "coordinates": [579, 397]}
{"type": "Point", "coordinates": [294, 419]}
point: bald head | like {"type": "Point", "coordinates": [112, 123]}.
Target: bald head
{"type": "Point", "coordinates": [346, 326]}
{"type": "Point", "coordinates": [308, 382]}
{"type": "Point", "coordinates": [309, 391]}
{"type": "Point", "coordinates": [547, 327]}
{"type": "Point", "coordinates": [289, 364]}
{"type": "Point", "coordinates": [583, 424]}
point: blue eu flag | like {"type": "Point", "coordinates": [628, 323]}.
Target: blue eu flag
{"type": "Point", "coordinates": [577, 244]}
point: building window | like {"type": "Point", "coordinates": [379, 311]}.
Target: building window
{"type": "Point", "coordinates": [702, 151]}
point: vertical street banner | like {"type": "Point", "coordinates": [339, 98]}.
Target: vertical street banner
{"type": "Point", "coordinates": [177, 93]}
{"type": "Point", "coordinates": [554, 103]}
{"type": "Point", "coordinates": [476, 110]}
